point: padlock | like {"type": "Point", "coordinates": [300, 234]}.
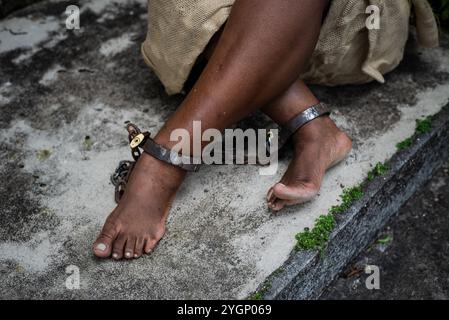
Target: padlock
{"type": "Point", "coordinates": [137, 140]}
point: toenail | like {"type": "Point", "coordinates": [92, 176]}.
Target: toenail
{"type": "Point", "coordinates": [128, 254]}
{"type": "Point", "coordinates": [136, 256]}
{"type": "Point", "coordinates": [115, 255]}
{"type": "Point", "coordinates": [101, 247]}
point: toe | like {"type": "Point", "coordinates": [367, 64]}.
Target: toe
{"type": "Point", "coordinates": [118, 247]}
{"type": "Point", "coordinates": [282, 195]}
{"type": "Point", "coordinates": [138, 250]}
{"type": "Point", "coordinates": [129, 247]}
{"type": "Point", "coordinates": [103, 245]}
{"type": "Point", "coordinates": [150, 245]}
{"type": "Point", "coordinates": [298, 193]}
{"type": "Point", "coordinates": [278, 204]}
{"type": "Point", "coordinates": [270, 196]}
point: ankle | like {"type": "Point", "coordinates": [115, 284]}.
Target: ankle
{"type": "Point", "coordinates": [315, 130]}
{"type": "Point", "coordinates": [150, 164]}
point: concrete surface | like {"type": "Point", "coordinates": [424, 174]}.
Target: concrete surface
{"type": "Point", "coordinates": [411, 252]}
{"type": "Point", "coordinates": [58, 86]}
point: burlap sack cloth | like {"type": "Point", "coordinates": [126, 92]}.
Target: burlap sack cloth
{"type": "Point", "coordinates": [347, 51]}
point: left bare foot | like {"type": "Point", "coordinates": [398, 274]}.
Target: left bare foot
{"type": "Point", "coordinates": [318, 145]}
{"type": "Point", "coordinates": [138, 223]}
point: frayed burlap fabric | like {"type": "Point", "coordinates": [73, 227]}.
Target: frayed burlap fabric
{"type": "Point", "coordinates": [347, 51]}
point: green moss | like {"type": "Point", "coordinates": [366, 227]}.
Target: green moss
{"type": "Point", "coordinates": [404, 144]}
{"type": "Point", "coordinates": [318, 236]}
{"type": "Point", "coordinates": [385, 240]}
{"type": "Point", "coordinates": [256, 296]}
{"type": "Point", "coordinates": [347, 198]}
{"type": "Point", "coordinates": [278, 271]}
{"type": "Point", "coordinates": [47, 213]}
{"type": "Point", "coordinates": [20, 269]}
{"type": "Point", "coordinates": [44, 154]}
{"type": "Point", "coordinates": [259, 294]}
{"type": "Point", "coordinates": [379, 170]}
{"type": "Point", "coordinates": [88, 143]}
{"type": "Point", "coordinates": [424, 125]}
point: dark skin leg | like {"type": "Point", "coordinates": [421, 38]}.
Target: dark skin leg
{"type": "Point", "coordinates": [265, 44]}
{"type": "Point", "coordinates": [317, 146]}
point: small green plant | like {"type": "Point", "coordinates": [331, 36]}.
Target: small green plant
{"type": "Point", "coordinates": [347, 198]}
{"type": "Point", "coordinates": [423, 125]}
{"type": "Point", "coordinates": [256, 296]}
{"type": "Point", "coordinates": [44, 154]}
{"type": "Point", "coordinates": [88, 143]}
{"type": "Point", "coordinates": [318, 236]}
{"type": "Point", "coordinates": [259, 294]}
{"type": "Point", "coordinates": [20, 269]}
{"type": "Point", "coordinates": [385, 240]}
{"type": "Point", "coordinates": [379, 170]}
{"type": "Point", "coordinates": [278, 271]}
{"type": "Point", "coordinates": [404, 144]}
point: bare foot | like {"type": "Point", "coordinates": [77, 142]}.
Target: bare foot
{"type": "Point", "coordinates": [138, 223]}
{"type": "Point", "coordinates": [317, 146]}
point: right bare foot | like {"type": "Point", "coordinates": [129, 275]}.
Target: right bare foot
{"type": "Point", "coordinates": [318, 145]}
{"type": "Point", "coordinates": [137, 224]}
